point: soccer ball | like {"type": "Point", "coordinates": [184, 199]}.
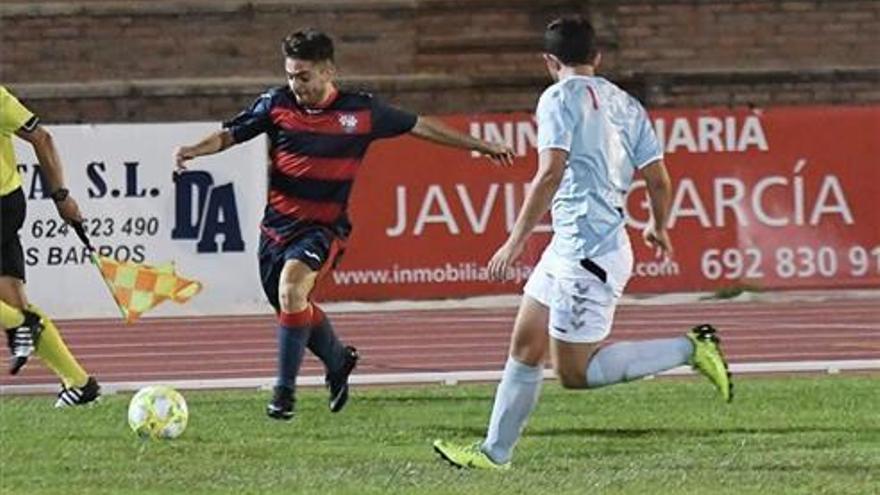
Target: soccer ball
{"type": "Point", "coordinates": [158, 412]}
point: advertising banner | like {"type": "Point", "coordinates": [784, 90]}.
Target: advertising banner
{"type": "Point", "coordinates": [778, 198]}
{"type": "Point", "coordinates": [121, 176]}
{"type": "Point", "coordinates": [774, 198]}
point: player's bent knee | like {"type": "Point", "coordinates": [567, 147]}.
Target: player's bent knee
{"type": "Point", "coordinates": [571, 378]}
{"type": "Point", "coordinates": [572, 383]}
{"type": "Point", "coordinates": [528, 357]}
{"type": "Point", "coordinates": [528, 352]}
{"type": "Point", "coordinates": [293, 297]}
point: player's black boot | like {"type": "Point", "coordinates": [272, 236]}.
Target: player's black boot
{"type": "Point", "coordinates": [282, 404]}
{"type": "Point", "coordinates": [337, 382]}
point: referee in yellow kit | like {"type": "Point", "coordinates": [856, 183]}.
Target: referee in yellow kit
{"type": "Point", "coordinates": [28, 329]}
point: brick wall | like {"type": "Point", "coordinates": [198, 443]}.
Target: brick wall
{"type": "Point", "coordinates": [112, 60]}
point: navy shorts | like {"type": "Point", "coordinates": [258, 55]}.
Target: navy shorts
{"type": "Point", "coordinates": [317, 247]}
{"type": "Point", "coordinates": [13, 208]}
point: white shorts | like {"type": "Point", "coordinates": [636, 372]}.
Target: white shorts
{"type": "Point", "coordinates": [581, 305]}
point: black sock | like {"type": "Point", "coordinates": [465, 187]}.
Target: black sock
{"type": "Point", "coordinates": [293, 334]}
{"type": "Point", "coordinates": [324, 343]}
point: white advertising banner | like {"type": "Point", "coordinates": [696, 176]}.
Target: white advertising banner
{"type": "Point", "coordinates": [206, 221]}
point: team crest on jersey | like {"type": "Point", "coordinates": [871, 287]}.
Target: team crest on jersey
{"type": "Point", "coordinates": [348, 122]}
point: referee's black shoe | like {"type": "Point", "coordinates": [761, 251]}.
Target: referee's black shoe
{"type": "Point", "coordinates": [22, 341]}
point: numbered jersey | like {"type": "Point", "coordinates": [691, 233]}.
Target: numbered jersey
{"type": "Point", "coordinates": [608, 136]}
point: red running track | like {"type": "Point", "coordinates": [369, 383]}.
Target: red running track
{"type": "Point", "coordinates": [204, 348]}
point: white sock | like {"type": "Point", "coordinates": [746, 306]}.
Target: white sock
{"type": "Point", "coordinates": [515, 399]}
{"type": "Point", "coordinates": [625, 361]}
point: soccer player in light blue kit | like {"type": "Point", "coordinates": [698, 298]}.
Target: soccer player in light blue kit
{"type": "Point", "coordinates": [592, 138]}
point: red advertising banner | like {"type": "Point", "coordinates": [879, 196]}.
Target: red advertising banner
{"type": "Point", "coordinates": [773, 198]}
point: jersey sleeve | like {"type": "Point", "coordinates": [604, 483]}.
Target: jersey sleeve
{"type": "Point", "coordinates": [556, 121]}
{"type": "Point", "coordinates": [389, 121]}
{"type": "Point", "coordinates": [251, 122]}
{"type": "Point", "coordinates": [643, 140]}
{"type": "Point", "coordinates": [14, 115]}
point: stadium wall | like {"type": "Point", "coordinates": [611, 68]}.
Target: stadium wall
{"type": "Point", "coordinates": [174, 60]}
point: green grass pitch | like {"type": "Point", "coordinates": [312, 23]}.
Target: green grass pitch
{"type": "Point", "coordinates": [809, 435]}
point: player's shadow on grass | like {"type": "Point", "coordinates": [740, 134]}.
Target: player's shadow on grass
{"type": "Point", "coordinates": [427, 399]}
{"type": "Point", "coordinates": [660, 432]}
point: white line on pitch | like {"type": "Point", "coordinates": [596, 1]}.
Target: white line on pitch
{"type": "Point", "coordinates": [449, 378]}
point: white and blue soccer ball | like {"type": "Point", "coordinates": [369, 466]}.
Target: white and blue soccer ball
{"type": "Point", "coordinates": [158, 412]}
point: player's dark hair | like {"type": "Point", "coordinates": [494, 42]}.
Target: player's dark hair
{"type": "Point", "coordinates": [308, 44]}
{"type": "Point", "coordinates": [571, 39]}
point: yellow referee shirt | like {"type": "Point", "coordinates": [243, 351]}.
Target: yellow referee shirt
{"type": "Point", "coordinates": [13, 117]}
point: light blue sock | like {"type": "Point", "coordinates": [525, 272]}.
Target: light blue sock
{"type": "Point", "coordinates": [515, 399]}
{"type": "Point", "coordinates": [625, 361]}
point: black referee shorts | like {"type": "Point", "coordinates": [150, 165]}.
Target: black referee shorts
{"type": "Point", "coordinates": [13, 208]}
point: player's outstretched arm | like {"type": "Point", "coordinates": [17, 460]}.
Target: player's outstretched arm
{"type": "Point", "coordinates": [660, 193]}
{"type": "Point", "coordinates": [212, 143]}
{"type": "Point", "coordinates": [551, 168]}
{"type": "Point", "coordinates": [433, 130]}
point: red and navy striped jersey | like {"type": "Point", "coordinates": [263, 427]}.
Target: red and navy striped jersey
{"type": "Point", "coordinates": [315, 154]}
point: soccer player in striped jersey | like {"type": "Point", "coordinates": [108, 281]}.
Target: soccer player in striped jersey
{"type": "Point", "coordinates": [592, 139]}
{"type": "Point", "coordinates": [318, 136]}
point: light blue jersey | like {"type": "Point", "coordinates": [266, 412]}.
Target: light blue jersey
{"type": "Point", "coordinates": [608, 136]}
